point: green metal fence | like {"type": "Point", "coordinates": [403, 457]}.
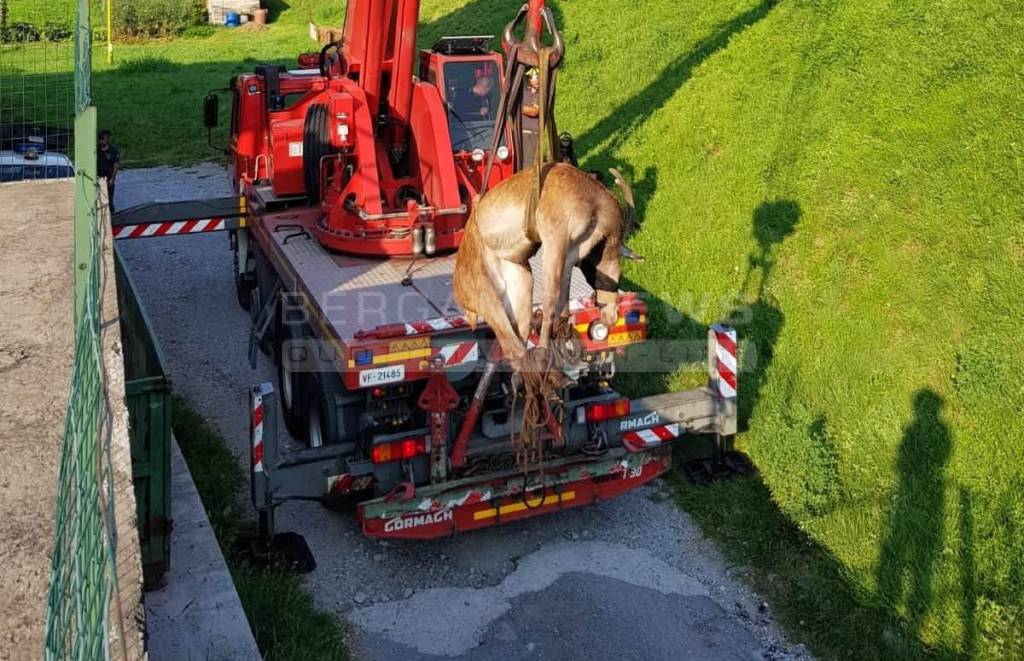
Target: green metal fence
{"type": "Point", "coordinates": [82, 603]}
{"type": "Point", "coordinates": [37, 76]}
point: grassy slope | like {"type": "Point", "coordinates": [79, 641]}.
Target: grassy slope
{"type": "Point", "coordinates": [862, 163]}
{"type": "Point", "coordinates": [845, 179]}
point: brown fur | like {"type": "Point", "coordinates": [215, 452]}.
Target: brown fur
{"type": "Point", "coordinates": [574, 215]}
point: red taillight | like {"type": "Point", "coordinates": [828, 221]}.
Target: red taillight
{"type": "Point", "coordinates": [407, 448]}
{"type": "Point", "coordinates": [604, 411]}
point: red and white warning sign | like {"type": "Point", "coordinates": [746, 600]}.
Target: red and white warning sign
{"type": "Point", "coordinates": [169, 228]}
{"type": "Point", "coordinates": [724, 366]}
{"type": "Point", "coordinates": [460, 353]}
{"type": "Point", "coordinates": [257, 431]}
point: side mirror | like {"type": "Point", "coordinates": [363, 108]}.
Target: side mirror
{"type": "Point", "coordinates": [211, 111]}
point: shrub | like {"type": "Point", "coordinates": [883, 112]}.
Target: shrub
{"type": "Point", "coordinates": [157, 18]}
{"type": "Point", "coordinates": [19, 33]}
{"type": "Point", "coordinates": [57, 31]}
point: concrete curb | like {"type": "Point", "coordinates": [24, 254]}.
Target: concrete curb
{"type": "Point", "coordinates": [197, 614]}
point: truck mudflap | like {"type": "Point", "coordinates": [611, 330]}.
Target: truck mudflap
{"type": "Point", "coordinates": [444, 511]}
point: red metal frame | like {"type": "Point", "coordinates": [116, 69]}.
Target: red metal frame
{"type": "Point", "coordinates": [479, 506]}
{"type": "Point", "coordinates": [364, 207]}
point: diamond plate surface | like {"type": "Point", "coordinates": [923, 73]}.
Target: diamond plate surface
{"type": "Point", "coordinates": [356, 293]}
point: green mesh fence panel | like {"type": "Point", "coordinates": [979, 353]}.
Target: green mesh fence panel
{"type": "Point", "coordinates": [45, 70]}
{"type": "Point", "coordinates": [83, 577]}
{"type": "Point", "coordinates": [37, 86]}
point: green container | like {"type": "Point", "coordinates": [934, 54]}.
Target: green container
{"type": "Point", "coordinates": [148, 395]}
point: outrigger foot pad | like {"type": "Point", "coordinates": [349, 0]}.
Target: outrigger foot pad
{"type": "Point", "coordinates": [286, 549]}
{"type": "Point", "coordinates": [705, 472]}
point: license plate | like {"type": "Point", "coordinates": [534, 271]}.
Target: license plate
{"type": "Point", "coordinates": [381, 376]}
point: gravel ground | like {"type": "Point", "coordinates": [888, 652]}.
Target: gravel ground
{"type": "Point", "coordinates": [631, 578]}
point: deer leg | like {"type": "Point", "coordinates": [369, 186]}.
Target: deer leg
{"type": "Point", "coordinates": [555, 258]}
{"type": "Point", "coordinates": [492, 298]}
{"type": "Point", "coordinates": [519, 296]}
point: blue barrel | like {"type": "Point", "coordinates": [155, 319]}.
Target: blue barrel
{"type": "Point", "coordinates": [232, 19]}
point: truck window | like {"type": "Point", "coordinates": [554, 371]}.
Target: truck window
{"type": "Point", "coordinates": [472, 93]}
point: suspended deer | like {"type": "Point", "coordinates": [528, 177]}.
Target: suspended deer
{"type": "Point", "coordinates": [576, 221]}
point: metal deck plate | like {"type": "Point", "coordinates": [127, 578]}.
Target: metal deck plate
{"type": "Point", "coordinates": [357, 293]}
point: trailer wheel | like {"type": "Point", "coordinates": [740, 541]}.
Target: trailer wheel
{"type": "Point", "coordinates": [293, 384]}
{"type": "Point", "coordinates": [316, 143]}
{"type": "Point", "coordinates": [333, 410]}
{"type": "Point", "coordinates": [244, 281]}
{"type": "Point", "coordinates": [243, 290]}
{"type": "Point", "coordinates": [263, 282]}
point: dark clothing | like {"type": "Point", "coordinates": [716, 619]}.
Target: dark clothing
{"type": "Point", "coordinates": [471, 107]}
{"type": "Point", "coordinates": [106, 160]}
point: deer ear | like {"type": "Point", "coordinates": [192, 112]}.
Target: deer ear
{"type": "Point", "coordinates": [628, 253]}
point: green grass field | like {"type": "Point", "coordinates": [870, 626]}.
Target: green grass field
{"type": "Point", "coordinates": [845, 180]}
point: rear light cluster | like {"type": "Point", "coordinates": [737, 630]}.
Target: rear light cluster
{"type": "Point", "coordinates": [603, 411]}
{"type": "Point", "coordinates": [406, 448]}
{"type": "Point", "coordinates": [387, 392]}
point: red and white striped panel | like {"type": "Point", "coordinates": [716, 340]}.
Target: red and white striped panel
{"type": "Point", "coordinates": [724, 361]}
{"type": "Point", "coordinates": [169, 228]}
{"type": "Point", "coordinates": [433, 325]}
{"type": "Point", "coordinates": [645, 438]}
{"type": "Point", "coordinates": [460, 354]}
{"type": "Point", "coordinates": [257, 432]}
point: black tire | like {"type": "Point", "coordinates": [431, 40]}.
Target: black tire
{"type": "Point", "coordinates": [264, 280]}
{"type": "Point", "coordinates": [316, 143]}
{"type": "Point", "coordinates": [293, 386]}
{"type": "Point", "coordinates": [320, 418]}
{"type": "Point", "coordinates": [243, 290]}
{"type": "Point", "coordinates": [333, 410]}
{"type": "Point", "coordinates": [244, 282]}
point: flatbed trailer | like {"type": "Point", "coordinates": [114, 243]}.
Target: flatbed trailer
{"type": "Point", "coordinates": [375, 328]}
{"type": "Point", "coordinates": [356, 175]}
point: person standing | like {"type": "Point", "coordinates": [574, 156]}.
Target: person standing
{"type": "Point", "coordinates": [530, 120]}
{"type": "Point", "coordinates": [108, 163]}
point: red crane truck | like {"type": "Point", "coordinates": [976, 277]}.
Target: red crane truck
{"type": "Point", "coordinates": [356, 174]}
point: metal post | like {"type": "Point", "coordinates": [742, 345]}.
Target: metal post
{"type": "Point", "coordinates": [110, 32]}
{"type": "Point", "coordinates": [86, 189]}
{"type": "Point", "coordinates": [263, 449]}
{"type": "Point", "coordinates": [476, 406]}
{"type": "Point", "coordinates": [438, 399]}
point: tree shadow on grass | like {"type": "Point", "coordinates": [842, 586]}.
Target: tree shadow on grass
{"type": "Point", "coordinates": [476, 18]}
{"type": "Point", "coordinates": [617, 126]}
{"type": "Point", "coordinates": [915, 527]}
{"type": "Point", "coordinates": [275, 8]}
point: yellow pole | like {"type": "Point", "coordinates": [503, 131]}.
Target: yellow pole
{"type": "Point", "coordinates": [110, 36]}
